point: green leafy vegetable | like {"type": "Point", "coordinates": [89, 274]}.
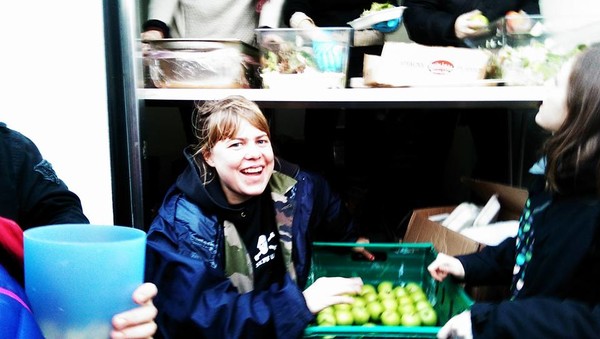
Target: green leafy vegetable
{"type": "Point", "coordinates": [377, 6]}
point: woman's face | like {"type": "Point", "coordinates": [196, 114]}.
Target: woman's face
{"type": "Point", "coordinates": [244, 163]}
{"type": "Point", "coordinates": [553, 111]}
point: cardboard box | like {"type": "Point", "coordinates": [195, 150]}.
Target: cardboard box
{"type": "Point", "coordinates": [421, 229]}
{"type": "Point", "coordinates": [409, 64]}
{"type": "Point", "coordinates": [444, 240]}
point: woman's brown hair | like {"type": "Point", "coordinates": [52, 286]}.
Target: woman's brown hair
{"type": "Point", "coordinates": [216, 120]}
{"type": "Point", "coordinates": [573, 151]}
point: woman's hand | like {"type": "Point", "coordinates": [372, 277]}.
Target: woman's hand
{"type": "Point", "coordinates": [362, 250]}
{"type": "Point", "coordinates": [137, 322]}
{"type": "Point", "coordinates": [468, 24]}
{"type": "Point", "coordinates": [444, 265]}
{"type": "Point", "coordinates": [458, 327]}
{"type": "Point", "coordinates": [327, 291]}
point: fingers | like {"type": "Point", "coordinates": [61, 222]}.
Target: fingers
{"type": "Point", "coordinates": [444, 265]}
{"type": "Point", "coordinates": [327, 291]}
{"type": "Point", "coordinates": [146, 292]}
{"type": "Point", "coordinates": [445, 331]}
{"type": "Point", "coordinates": [151, 35]}
{"type": "Point", "coordinates": [458, 326]}
{"type": "Point", "coordinates": [137, 322]}
{"type": "Point", "coordinates": [362, 250]}
{"type": "Point", "coordinates": [146, 330]}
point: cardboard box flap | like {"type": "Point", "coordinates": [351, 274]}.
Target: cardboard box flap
{"type": "Point", "coordinates": [512, 199]}
{"type": "Point", "coordinates": [421, 229]}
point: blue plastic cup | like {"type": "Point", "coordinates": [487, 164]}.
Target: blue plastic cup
{"type": "Point", "coordinates": [78, 276]}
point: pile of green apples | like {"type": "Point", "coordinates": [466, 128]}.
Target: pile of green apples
{"type": "Point", "coordinates": [383, 304]}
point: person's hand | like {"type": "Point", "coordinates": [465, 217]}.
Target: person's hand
{"type": "Point", "coordinates": [458, 327]}
{"type": "Point", "coordinates": [518, 22]}
{"type": "Point", "coordinates": [152, 34]}
{"type": "Point", "coordinates": [362, 250]}
{"type": "Point", "coordinates": [387, 26]}
{"type": "Point", "coordinates": [327, 291]}
{"type": "Point", "coordinates": [468, 24]}
{"type": "Point", "coordinates": [444, 265]}
{"type": "Point", "coordinates": [137, 322]}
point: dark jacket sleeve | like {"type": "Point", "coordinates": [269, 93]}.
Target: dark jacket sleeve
{"type": "Point", "coordinates": [331, 218]}
{"type": "Point", "coordinates": [428, 23]}
{"type": "Point", "coordinates": [431, 22]}
{"type": "Point", "coordinates": [39, 196]}
{"type": "Point", "coordinates": [491, 265]}
{"type": "Point", "coordinates": [196, 300]}
{"type": "Point", "coordinates": [535, 317]}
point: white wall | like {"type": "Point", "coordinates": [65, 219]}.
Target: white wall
{"type": "Point", "coordinates": [53, 71]}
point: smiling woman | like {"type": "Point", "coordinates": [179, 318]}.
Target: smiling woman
{"type": "Point", "coordinates": [236, 212]}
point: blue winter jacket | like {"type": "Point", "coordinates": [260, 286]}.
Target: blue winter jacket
{"type": "Point", "coordinates": [186, 261]}
{"type": "Point", "coordinates": [16, 319]}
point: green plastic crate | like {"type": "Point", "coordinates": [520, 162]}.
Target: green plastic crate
{"type": "Point", "coordinates": [400, 263]}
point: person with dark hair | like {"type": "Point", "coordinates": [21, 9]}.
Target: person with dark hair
{"type": "Point", "coordinates": [230, 249]}
{"type": "Point", "coordinates": [553, 263]}
{"type": "Point", "coordinates": [32, 195]}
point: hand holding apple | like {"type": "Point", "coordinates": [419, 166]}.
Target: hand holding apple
{"type": "Point", "coordinates": [327, 291]}
{"type": "Point", "coordinates": [470, 24]}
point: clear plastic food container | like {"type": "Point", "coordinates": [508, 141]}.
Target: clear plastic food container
{"type": "Point", "coordinates": [197, 63]}
{"type": "Point", "coordinates": [314, 58]}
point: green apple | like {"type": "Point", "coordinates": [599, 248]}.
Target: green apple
{"type": "Point", "coordinates": [410, 319]}
{"type": "Point", "coordinates": [389, 303]}
{"type": "Point", "coordinates": [480, 20]}
{"type": "Point", "coordinates": [342, 307]}
{"type": "Point", "coordinates": [344, 317]}
{"type": "Point", "coordinates": [390, 318]}
{"type": "Point", "coordinates": [375, 309]}
{"type": "Point", "coordinates": [407, 308]}
{"type": "Point", "coordinates": [370, 297]}
{"type": "Point", "coordinates": [326, 319]}
{"type": "Point", "coordinates": [418, 296]}
{"type": "Point", "coordinates": [405, 300]}
{"type": "Point", "coordinates": [422, 304]}
{"type": "Point", "coordinates": [359, 302]}
{"type": "Point", "coordinates": [385, 286]}
{"type": "Point", "coordinates": [428, 316]}
{"type": "Point", "coordinates": [399, 291]}
{"type": "Point", "coordinates": [385, 295]}
{"type": "Point", "coordinates": [412, 287]}
{"type": "Point", "coordinates": [361, 315]}
{"type": "Point", "coordinates": [328, 309]}
{"type": "Point", "coordinates": [367, 288]}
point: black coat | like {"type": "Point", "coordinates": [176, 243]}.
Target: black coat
{"type": "Point", "coordinates": [431, 22]}
{"type": "Point", "coordinates": [560, 296]}
{"type": "Point", "coordinates": [31, 194]}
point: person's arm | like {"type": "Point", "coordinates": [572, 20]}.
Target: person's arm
{"type": "Point", "coordinates": [491, 265]}
{"type": "Point", "coordinates": [43, 197]}
{"type": "Point", "coordinates": [536, 317]}
{"type": "Point", "coordinates": [331, 217]}
{"type": "Point", "coordinates": [427, 23]}
{"type": "Point", "coordinates": [295, 6]}
{"type": "Point", "coordinates": [271, 13]}
{"type": "Point", "coordinates": [196, 299]}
